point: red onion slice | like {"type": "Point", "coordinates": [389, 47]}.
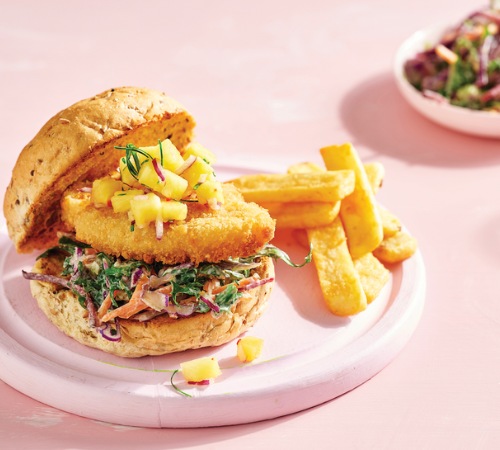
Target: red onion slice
{"type": "Point", "coordinates": [155, 300]}
{"type": "Point", "coordinates": [214, 204]}
{"type": "Point", "coordinates": [214, 307]}
{"type": "Point", "coordinates": [134, 278]}
{"type": "Point", "coordinates": [159, 227]}
{"type": "Point", "coordinates": [203, 382]}
{"type": "Point", "coordinates": [255, 284]}
{"type": "Point", "coordinates": [158, 170]}
{"type": "Point", "coordinates": [85, 189]}
{"type": "Point", "coordinates": [435, 96]}
{"type": "Point", "coordinates": [93, 319]}
{"type": "Point", "coordinates": [105, 265]}
{"type": "Point", "coordinates": [185, 165]}
{"type": "Point", "coordinates": [107, 331]}
{"type": "Point", "coordinates": [46, 278]}
{"type": "Point", "coordinates": [155, 282]}
{"type": "Point", "coordinates": [181, 310]}
{"type": "Point", "coordinates": [493, 93]}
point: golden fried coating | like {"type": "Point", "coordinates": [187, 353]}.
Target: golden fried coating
{"type": "Point", "coordinates": [238, 229]}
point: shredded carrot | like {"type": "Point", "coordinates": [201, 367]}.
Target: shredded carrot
{"type": "Point", "coordinates": [165, 290]}
{"type": "Point", "coordinates": [243, 282]}
{"type": "Point", "coordinates": [103, 309]}
{"type": "Point", "coordinates": [133, 307]}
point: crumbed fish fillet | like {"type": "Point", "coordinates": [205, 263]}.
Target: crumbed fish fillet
{"type": "Point", "coordinates": [238, 229]}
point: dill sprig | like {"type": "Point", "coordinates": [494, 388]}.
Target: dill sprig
{"type": "Point", "coordinates": [161, 151]}
{"type": "Point", "coordinates": [175, 387]}
{"type": "Point", "coordinates": [132, 160]}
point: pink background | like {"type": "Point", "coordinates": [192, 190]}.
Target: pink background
{"type": "Point", "coordinates": [269, 84]}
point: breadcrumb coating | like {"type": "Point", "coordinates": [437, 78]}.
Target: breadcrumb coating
{"type": "Point", "coordinates": [238, 229]}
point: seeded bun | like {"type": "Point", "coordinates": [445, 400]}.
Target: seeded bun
{"type": "Point", "coordinates": [161, 334]}
{"type": "Point", "coordinates": [78, 143]}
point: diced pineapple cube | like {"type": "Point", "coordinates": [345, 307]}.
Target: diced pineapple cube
{"type": "Point", "coordinates": [149, 177]}
{"type": "Point", "coordinates": [151, 151]}
{"type": "Point", "coordinates": [200, 369]}
{"type": "Point", "coordinates": [103, 189]}
{"type": "Point", "coordinates": [121, 200]}
{"type": "Point", "coordinates": [197, 149]}
{"type": "Point", "coordinates": [210, 189]}
{"type": "Point", "coordinates": [127, 177]}
{"type": "Point", "coordinates": [198, 168]}
{"type": "Point", "coordinates": [145, 211]}
{"type": "Point", "coordinates": [174, 185]}
{"type": "Point", "coordinates": [173, 211]}
{"type": "Point", "coordinates": [249, 348]}
{"type": "Point", "coordinates": [172, 159]}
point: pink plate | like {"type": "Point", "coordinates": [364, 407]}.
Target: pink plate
{"type": "Point", "coordinates": [309, 357]}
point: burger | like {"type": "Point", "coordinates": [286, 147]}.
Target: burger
{"type": "Point", "coordinates": [146, 253]}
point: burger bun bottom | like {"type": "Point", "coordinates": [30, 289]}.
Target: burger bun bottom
{"type": "Point", "coordinates": [159, 335]}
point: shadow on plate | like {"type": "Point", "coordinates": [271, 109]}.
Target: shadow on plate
{"type": "Point", "coordinates": [377, 116]}
{"type": "Point", "coordinates": [301, 285]}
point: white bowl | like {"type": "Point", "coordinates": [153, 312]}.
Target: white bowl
{"type": "Point", "coordinates": [479, 123]}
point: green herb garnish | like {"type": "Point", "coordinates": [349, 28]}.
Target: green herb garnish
{"type": "Point", "coordinates": [175, 387]}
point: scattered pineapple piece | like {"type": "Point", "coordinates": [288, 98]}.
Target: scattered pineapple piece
{"type": "Point", "coordinates": [103, 189]}
{"type": "Point", "coordinates": [209, 189]}
{"type": "Point", "coordinates": [249, 348]}
{"type": "Point", "coordinates": [197, 149]}
{"type": "Point", "coordinates": [145, 211]}
{"type": "Point", "coordinates": [200, 369]}
{"type": "Point", "coordinates": [121, 200]}
{"type": "Point", "coordinates": [198, 168]}
{"type": "Point", "coordinates": [173, 211]}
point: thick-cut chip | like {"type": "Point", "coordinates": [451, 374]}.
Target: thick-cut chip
{"type": "Point", "coordinates": [339, 280]}
{"type": "Point", "coordinates": [375, 173]}
{"type": "Point", "coordinates": [358, 211]}
{"type": "Point", "coordinates": [390, 223]}
{"type": "Point", "coordinates": [396, 248]}
{"type": "Point", "coordinates": [306, 167]}
{"type": "Point", "coordinates": [372, 274]}
{"type": "Point", "coordinates": [302, 215]}
{"type": "Point", "coordinates": [328, 187]}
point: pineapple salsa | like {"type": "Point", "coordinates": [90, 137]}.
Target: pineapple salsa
{"type": "Point", "coordinates": [155, 183]}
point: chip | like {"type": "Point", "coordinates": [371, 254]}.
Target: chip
{"type": "Point", "coordinates": [339, 280]}
{"type": "Point", "coordinates": [328, 187]}
{"type": "Point", "coordinates": [390, 223]}
{"type": "Point", "coordinates": [375, 173]}
{"type": "Point", "coordinates": [372, 274]}
{"type": "Point", "coordinates": [396, 248]}
{"type": "Point", "coordinates": [359, 211]}
{"type": "Point", "coordinates": [302, 215]}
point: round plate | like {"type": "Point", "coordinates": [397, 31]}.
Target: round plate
{"type": "Point", "coordinates": [310, 356]}
{"type": "Point", "coordinates": [479, 123]}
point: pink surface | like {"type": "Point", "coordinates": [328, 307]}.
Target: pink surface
{"type": "Point", "coordinates": [274, 82]}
